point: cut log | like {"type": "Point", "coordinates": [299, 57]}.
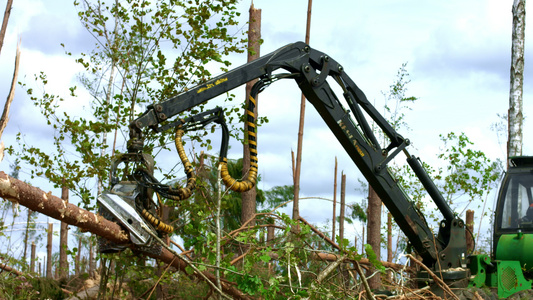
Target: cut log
{"type": "Point", "coordinates": [36, 199]}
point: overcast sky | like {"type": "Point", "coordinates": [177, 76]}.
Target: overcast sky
{"type": "Point", "coordinates": [457, 55]}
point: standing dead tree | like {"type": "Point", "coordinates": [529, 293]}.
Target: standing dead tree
{"type": "Point", "coordinates": [5, 114]}
{"type": "Point", "coordinates": [254, 46]}
{"type": "Point", "coordinates": [49, 260]}
{"type": "Point", "coordinates": [334, 219]}
{"type": "Point", "coordinates": [63, 239]}
{"type": "Point", "coordinates": [298, 162]}
{"type": "Point", "coordinates": [4, 22]}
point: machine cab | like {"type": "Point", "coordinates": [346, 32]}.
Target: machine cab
{"type": "Point", "coordinates": [514, 207]}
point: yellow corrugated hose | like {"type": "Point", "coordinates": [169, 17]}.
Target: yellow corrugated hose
{"type": "Point", "coordinates": [186, 191]}
{"type": "Point", "coordinates": [182, 193]}
{"type": "Point", "coordinates": [158, 224]}
{"type": "Point", "coordinates": [248, 183]}
{"type": "Point", "coordinates": [175, 194]}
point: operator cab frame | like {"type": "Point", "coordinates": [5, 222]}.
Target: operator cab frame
{"type": "Point", "coordinates": [514, 207]}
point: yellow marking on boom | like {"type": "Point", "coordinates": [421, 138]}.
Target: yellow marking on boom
{"type": "Point", "coordinates": [210, 85]}
{"type": "Point", "coordinates": [350, 136]}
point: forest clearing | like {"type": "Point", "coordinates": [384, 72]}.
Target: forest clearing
{"type": "Point", "coordinates": [155, 203]}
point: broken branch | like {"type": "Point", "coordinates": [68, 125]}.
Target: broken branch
{"type": "Point", "coordinates": [11, 95]}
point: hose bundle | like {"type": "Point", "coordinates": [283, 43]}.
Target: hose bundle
{"type": "Point", "coordinates": [167, 191]}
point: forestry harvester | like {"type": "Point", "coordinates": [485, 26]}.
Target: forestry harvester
{"type": "Point", "coordinates": [129, 200]}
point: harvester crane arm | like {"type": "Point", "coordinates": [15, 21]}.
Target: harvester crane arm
{"type": "Point", "coordinates": [311, 69]}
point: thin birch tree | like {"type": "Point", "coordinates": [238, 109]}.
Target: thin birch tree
{"type": "Point", "coordinates": [515, 115]}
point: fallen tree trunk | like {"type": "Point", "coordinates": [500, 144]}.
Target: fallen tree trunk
{"type": "Point", "coordinates": [36, 199]}
{"type": "Point", "coordinates": [18, 191]}
{"type": "Point", "coordinates": [11, 270]}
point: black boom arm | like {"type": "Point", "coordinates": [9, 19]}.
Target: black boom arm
{"type": "Point", "coordinates": [310, 69]}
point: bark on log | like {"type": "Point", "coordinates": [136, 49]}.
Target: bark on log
{"type": "Point", "coordinates": [36, 199]}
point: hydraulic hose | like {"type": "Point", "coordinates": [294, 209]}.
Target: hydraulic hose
{"type": "Point", "coordinates": [158, 224]}
{"type": "Point", "coordinates": [156, 220]}
{"type": "Point", "coordinates": [185, 192]}
{"type": "Point", "coordinates": [180, 193]}
{"type": "Point", "coordinates": [248, 183]}
{"type": "Point", "coordinates": [172, 193]}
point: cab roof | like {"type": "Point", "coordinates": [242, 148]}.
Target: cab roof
{"type": "Point", "coordinates": [521, 161]}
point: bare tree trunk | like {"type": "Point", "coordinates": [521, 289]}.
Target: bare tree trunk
{"type": "Point", "coordinates": [270, 234]}
{"type": "Point", "coordinates": [4, 22]}
{"type": "Point", "coordinates": [374, 233]}
{"type": "Point", "coordinates": [32, 255]}
{"type": "Point", "coordinates": [343, 201]}
{"type": "Point", "coordinates": [269, 242]}
{"type": "Point", "coordinates": [5, 114]}
{"type": "Point", "coordinates": [26, 235]}
{"type": "Point", "coordinates": [334, 219]}
{"type": "Point", "coordinates": [389, 241]}
{"type": "Point", "coordinates": [363, 239]}
{"type": "Point", "coordinates": [295, 204]}
{"type": "Point", "coordinates": [56, 272]}
{"type": "Point", "coordinates": [78, 257]}
{"type": "Point", "coordinates": [254, 45]}
{"type": "Point", "coordinates": [164, 214]}
{"type": "Point", "coordinates": [63, 238]}
{"type": "Point", "coordinates": [83, 266]}
{"type": "Point", "coordinates": [49, 251]}
{"type": "Point", "coordinates": [92, 263]}
{"type": "Point", "coordinates": [389, 237]}
{"type": "Point", "coordinates": [344, 272]}
{"type": "Point", "coordinates": [470, 227]}
{"type": "Point", "coordinates": [515, 115]}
